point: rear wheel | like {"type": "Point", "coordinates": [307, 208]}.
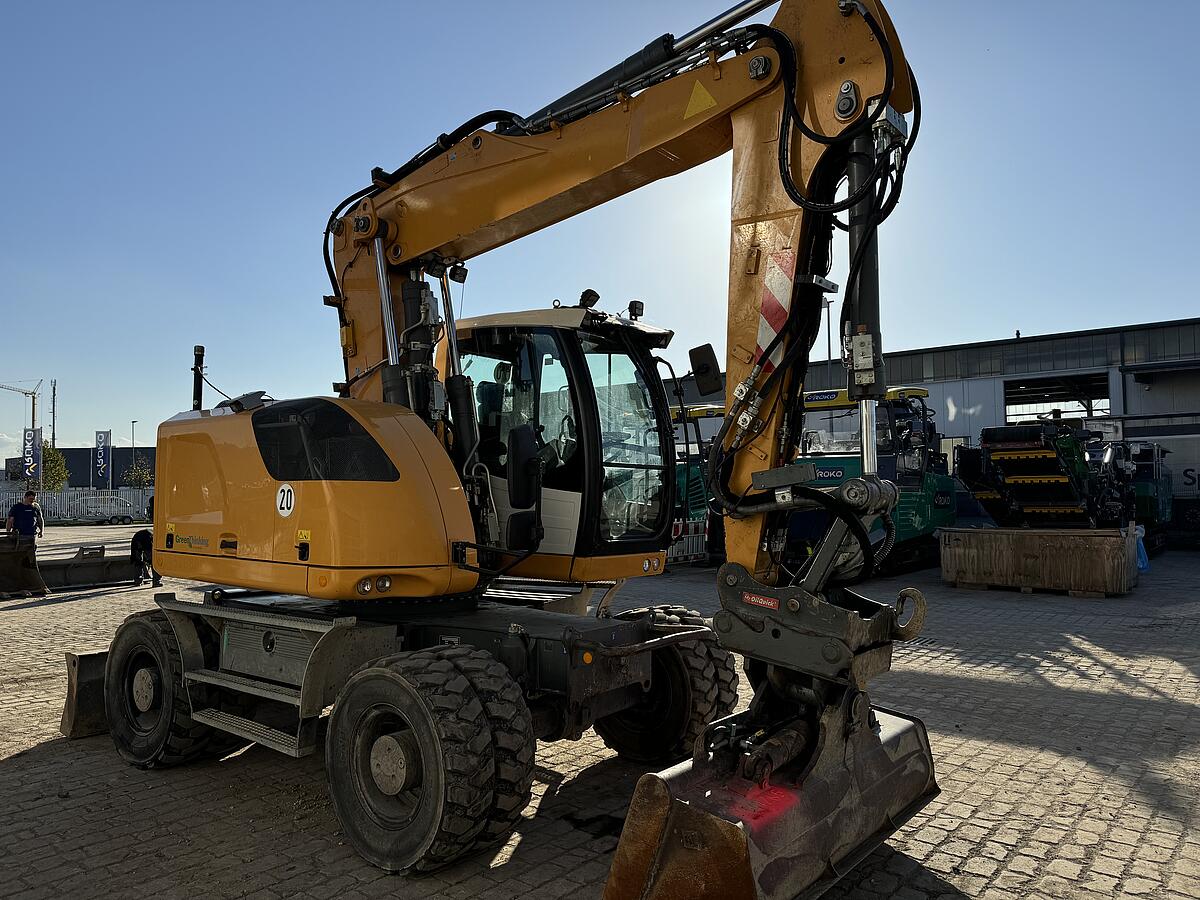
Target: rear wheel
{"type": "Point", "coordinates": [410, 762]}
{"type": "Point", "coordinates": [691, 685]}
{"type": "Point", "coordinates": [126, 520]}
{"type": "Point", "coordinates": [114, 520]}
{"type": "Point", "coordinates": [144, 697]}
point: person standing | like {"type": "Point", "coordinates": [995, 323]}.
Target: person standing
{"type": "Point", "coordinates": [25, 522]}
{"type": "Point", "coordinates": [141, 551]}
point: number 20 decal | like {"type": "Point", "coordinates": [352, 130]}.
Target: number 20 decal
{"type": "Point", "coordinates": [285, 500]}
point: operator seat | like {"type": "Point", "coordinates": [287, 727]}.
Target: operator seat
{"type": "Point", "coordinates": [489, 398]}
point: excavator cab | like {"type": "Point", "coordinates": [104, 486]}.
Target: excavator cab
{"type": "Point", "coordinates": [583, 385]}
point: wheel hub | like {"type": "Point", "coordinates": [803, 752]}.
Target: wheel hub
{"type": "Point", "coordinates": [396, 762]}
{"type": "Point", "coordinates": [145, 689]}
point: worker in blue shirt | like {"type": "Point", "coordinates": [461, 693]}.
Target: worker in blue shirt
{"type": "Point", "coordinates": [25, 521]}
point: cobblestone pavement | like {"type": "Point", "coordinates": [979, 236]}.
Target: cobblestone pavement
{"type": "Point", "coordinates": [1066, 734]}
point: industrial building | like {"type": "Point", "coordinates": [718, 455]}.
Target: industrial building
{"type": "Point", "coordinates": [81, 464]}
{"type": "Point", "coordinates": [1144, 378]}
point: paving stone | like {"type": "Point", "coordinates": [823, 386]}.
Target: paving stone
{"type": "Point", "coordinates": [1066, 735]}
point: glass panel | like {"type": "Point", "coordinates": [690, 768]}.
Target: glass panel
{"type": "Point", "coordinates": [1170, 348]}
{"type": "Point", "coordinates": [1137, 345]}
{"type": "Point", "coordinates": [838, 431]}
{"type": "Point", "coordinates": [1187, 340]}
{"type": "Point", "coordinates": [631, 451]}
{"type": "Point", "coordinates": [520, 379]}
{"type": "Point", "coordinates": [315, 440]}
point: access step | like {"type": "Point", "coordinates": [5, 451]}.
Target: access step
{"type": "Point", "coordinates": [278, 692]}
{"type": "Point", "coordinates": [239, 614]}
{"type": "Point", "coordinates": [253, 731]}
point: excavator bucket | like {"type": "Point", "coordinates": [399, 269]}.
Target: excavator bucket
{"type": "Point", "coordinates": [19, 576]}
{"type": "Point", "coordinates": [697, 831]}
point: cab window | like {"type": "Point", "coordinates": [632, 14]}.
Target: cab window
{"type": "Point", "coordinates": [315, 440]}
{"type": "Point", "coordinates": [522, 379]}
{"type": "Point", "coordinates": [631, 445]}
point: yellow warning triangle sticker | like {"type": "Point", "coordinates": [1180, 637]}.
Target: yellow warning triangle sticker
{"type": "Point", "coordinates": [700, 101]}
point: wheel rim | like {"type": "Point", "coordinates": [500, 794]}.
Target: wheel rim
{"type": "Point", "coordinates": [387, 767]}
{"type": "Point", "coordinates": [142, 691]}
{"type": "Point", "coordinates": [662, 714]}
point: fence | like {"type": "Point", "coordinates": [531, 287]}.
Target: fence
{"type": "Point", "coordinates": [85, 504]}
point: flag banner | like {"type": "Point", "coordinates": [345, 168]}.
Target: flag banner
{"type": "Point", "coordinates": [103, 445]}
{"type": "Point", "coordinates": [31, 453]}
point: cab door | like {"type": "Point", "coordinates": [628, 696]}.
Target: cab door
{"type": "Point", "coordinates": [522, 377]}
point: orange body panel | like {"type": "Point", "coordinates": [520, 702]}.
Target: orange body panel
{"type": "Point", "coordinates": [558, 567]}
{"type": "Point", "coordinates": [216, 518]}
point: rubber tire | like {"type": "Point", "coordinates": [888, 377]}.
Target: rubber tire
{"type": "Point", "coordinates": [175, 738]}
{"type": "Point", "coordinates": [452, 731]}
{"type": "Point", "coordinates": [126, 520]}
{"type": "Point", "coordinates": [114, 520]}
{"type": "Point", "coordinates": [704, 679]}
{"type": "Point", "coordinates": [513, 740]}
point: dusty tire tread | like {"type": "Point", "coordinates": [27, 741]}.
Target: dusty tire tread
{"type": "Point", "coordinates": [513, 741]}
{"type": "Point", "coordinates": [187, 739]}
{"type": "Point", "coordinates": [711, 671]}
{"type": "Point", "coordinates": [459, 718]}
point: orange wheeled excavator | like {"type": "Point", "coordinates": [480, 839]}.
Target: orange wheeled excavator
{"type": "Point", "coordinates": [370, 548]}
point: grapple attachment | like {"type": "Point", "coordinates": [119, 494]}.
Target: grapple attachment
{"type": "Point", "coordinates": [781, 800]}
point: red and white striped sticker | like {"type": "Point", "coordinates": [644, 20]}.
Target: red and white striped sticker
{"type": "Point", "coordinates": [778, 277]}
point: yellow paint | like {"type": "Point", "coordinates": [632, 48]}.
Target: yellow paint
{"type": "Point", "coordinates": [213, 484]}
{"type": "Point", "coordinates": [587, 657]}
{"type": "Point", "coordinates": [700, 101]}
{"type": "Point", "coordinates": [843, 401]}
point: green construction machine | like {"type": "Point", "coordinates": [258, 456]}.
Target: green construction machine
{"type": "Point", "coordinates": [1049, 473]}
{"type": "Point", "coordinates": [693, 529]}
{"type": "Point", "coordinates": [909, 452]}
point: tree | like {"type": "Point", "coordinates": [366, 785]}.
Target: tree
{"type": "Point", "coordinates": [139, 474]}
{"type": "Point", "coordinates": [54, 468]}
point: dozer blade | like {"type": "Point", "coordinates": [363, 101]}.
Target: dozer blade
{"type": "Point", "coordinates": [89, 567]}
{"type": "Point", "coordinates": [696, 831]}
{"type": "Point", "coordinates": [19, 576]}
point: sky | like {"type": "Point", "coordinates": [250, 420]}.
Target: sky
{"type": "Point", "coordinates": [166, 171]}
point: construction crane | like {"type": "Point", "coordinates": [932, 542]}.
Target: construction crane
{"type": "Point", "coordinates": [369, 540]}
{"type": "Point", "coordinates": [32, 394]}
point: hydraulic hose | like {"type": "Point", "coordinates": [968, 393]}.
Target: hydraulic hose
{"type": "Point", "coordinates": [381, 180]}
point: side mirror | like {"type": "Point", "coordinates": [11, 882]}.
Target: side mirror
{"type": "Point", "coordinates": [522, 474]}
{"type": "Point", "coordinates": [706, 370]}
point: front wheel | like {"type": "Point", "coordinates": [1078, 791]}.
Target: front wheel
{"type": "Point", "coordinates": [691, 685]}
{"type": "Point", "coordinates": [410, 761]}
